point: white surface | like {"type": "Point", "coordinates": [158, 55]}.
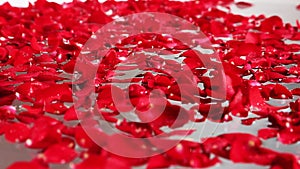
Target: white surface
{"type": "Point", "coordinates": [285, 9]}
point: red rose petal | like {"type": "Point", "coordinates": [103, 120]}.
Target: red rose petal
{"type": "Point", "coordinates": [83, 139]}
{"type": "Point", "coordinates": [17, 132]}
{"type": "Point", "coordinates": [59, 153]}
{"type": "Point", "coordinates": [249, 121]}
{"type": "Point", "coordinates": [3, 54]}
{"type": "Point", "coordinates": [26, 117]}
{"type": "Point", "coordinates": [159, 161]}
{"type": "Point", "coordinates": [243, 5]}
{"type": "Point", "coordinates": [60, 92]}
{"type": "Point", "coordinates": [288, 136]}
{"type": "Point", "coordinates": [26, 165]}
{"type": "Point", "coordinates": [280, 92]}
{"type": "Point", "coordinates": [7, 112]}
{"type": "Point", "coordinates": [70, 114]}
{"type": "Point", "coordinates": [35, 45]}
{"type": "Point", "coordinates": [271, 23]}
{"type": "Point", "coordinates": [252, 37]}
{"type": "Point", "coordinates": [101, 162]}
{"type": "Point", "coordinates": [24, 56]}
{"type": "Point", "coordinates": [267, 133]}
{"type": "Point", "coordinates": [91, 162]}
{"type": "Point", "coordinates": [8, 96]}
{"type": "Point", "coordinates": [295, 106]}
{"type": "Point", "coordinates": [295, 70]}
{"type": "Point", "coordinates": [45, 132]}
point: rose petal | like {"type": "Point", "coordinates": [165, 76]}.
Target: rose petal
{"type": "Point", "coordinates": [267, 133]}
{"type": "Point", "coordinates": [17, 132]}
{"type": "Point", "coordinates": [243, 5]}
{"type": "Point", "coordinates": [26, 165]}
{"type": "Point", "coordinates": [59, 153]}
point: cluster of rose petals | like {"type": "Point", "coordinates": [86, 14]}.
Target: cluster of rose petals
{"type": "Point", "coordinates": [38, 50]}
